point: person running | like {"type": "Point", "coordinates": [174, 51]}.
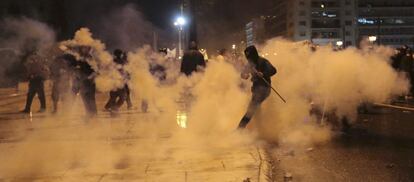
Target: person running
{"type": "Point", "coordinates": [261, 71]}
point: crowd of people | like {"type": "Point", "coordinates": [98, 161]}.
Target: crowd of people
{"type": "Point", "coordinates": [72, 75]}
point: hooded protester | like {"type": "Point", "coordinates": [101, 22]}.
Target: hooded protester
{"type": "Point", "coordinates": [37, 72]}
{"type": "Point", "coordinates": [261, 71]}
{"type": "Point", "coordinates": [86, 79]}
{"type": "Point", "coordinates": [193, 60]}
{"type": "Point", "coordinates": [119, 96]}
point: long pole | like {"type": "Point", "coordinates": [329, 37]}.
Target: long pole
{"type": "Point", "coordinates": [268, 84]}
{"type": "Point", "coordinates": [274, 90]}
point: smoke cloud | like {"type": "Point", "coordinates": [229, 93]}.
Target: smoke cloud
{"type": "Point", "coordinates": [21, 36]}
{"type": "Point", "coordinates": [126, 28]}
{"type": "Point", "coordinates": [335, 81]}
{"type": "Point", "coordinates": [24, 34]}
{"type": "Point", "coordinates": [108, 77]}
{"type": "Point", "coordinates": [212, 103]}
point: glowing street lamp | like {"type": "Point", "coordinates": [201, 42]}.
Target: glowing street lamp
{"type": "Point", "coordinates": [180, 22]}
{"type": "Point", "coordinates": [233, 46]}
{"type": "Point", "coordinates": [372, 38]}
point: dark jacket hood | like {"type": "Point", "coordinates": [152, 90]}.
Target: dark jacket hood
{"type": "Point", "coordinates": [251, 53]}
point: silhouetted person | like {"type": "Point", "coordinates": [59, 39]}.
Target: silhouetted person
{"type": "Point", "coordinates": [260, 70]}
{"type": "Point", "coordinates": [60, 76]}
{"type": "Point", "coordinates": [37, 72]}
{"type": "Point", "coordinates": [86, 76]}
{"type": "Point", "coordinates": [192, 60]}
{"type": "Point", "coordinates": [119, 96]}
{"type": "Point", "coordinates": [397, 57]}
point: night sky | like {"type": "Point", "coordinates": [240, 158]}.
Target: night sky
{"type": "Point", "coordinates": [217, 20]}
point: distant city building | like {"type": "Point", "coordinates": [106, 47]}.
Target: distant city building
{"type": "Point", "coordinates": [319, 21]}
{"type": "Point", "coordinates": [392, 21]}
{"type": "Point", "coordinates": [254, 29]}
{"type": "Point", "coordinates": [342, 21]}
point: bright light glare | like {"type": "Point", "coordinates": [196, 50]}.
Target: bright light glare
{"type": "Point", "coordinates": [180, 21]}
{"type": "Point", "coordinates": [372, 38]}
{"type": "Point", "coordinates": [182, 119]}
{"type": "Point", "coordinates": [339, 43]}
{"type": "Point", "coordinates": [233, 46]}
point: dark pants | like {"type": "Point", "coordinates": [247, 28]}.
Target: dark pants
{"type": "Point", "coordinates": [87, 92]}
{"type": "Point", "coordinates": [76, 84]}
{"type": "Point", "coordinates": [259, 94]}
{"type": "Point", "coordinates": [128, 96]}
{"type": "Point", "coordinates": [116, 99]}
{"type": "Point", "coordinates": [59, 92]}
{"type": "Point", "coordinates": [36, 86]}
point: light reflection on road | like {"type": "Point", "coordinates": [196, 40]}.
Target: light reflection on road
{"type": "Point", "coordinates": [182, 119]}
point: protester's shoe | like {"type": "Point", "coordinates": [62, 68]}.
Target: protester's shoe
{"type": "Point", "coordinates": [25, 111]}
{"type": "Point", "coordinates": [42, 110]}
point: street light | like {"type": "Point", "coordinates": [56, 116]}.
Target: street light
{"type": "Point", "coordinates": [180, 22]}
{"type": "Point", "coordinates": [372, 38]}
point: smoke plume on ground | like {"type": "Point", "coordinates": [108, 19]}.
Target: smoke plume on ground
{"type": "Point", "coordinates": [336, 82]}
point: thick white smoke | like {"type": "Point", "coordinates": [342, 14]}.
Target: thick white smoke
{"type": "Point", "coordinates": [335, 81]}
{"type": "Point", "coordinates": [108, 77]}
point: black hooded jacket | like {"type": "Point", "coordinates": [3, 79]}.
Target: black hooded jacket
{"type": "Point", "coordinates": [192, 59]}
{"type": "Point", "coordinates": [259, 64]}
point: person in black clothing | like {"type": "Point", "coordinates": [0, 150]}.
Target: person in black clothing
{"type": "Point", "coordinates": [261, 71]}
{"type": "Point", "coordinates": [37, 72]}
{"type": "Point", "coordinates": [192, 60]}
{"type": "Point", "coordinates": [87, 86]}
{"type": "Point", "coordinates": [119, 96]}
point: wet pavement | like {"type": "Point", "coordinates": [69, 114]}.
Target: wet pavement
{"type": "Point", "coordinates": [113, 147]}
{"type": "Point", "coordinates": [379, 147]}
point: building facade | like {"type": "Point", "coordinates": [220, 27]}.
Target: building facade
{"type": "Point", "coordinates": [392, 22]}
{"type": "Point", "coordinates": [344, 22]}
